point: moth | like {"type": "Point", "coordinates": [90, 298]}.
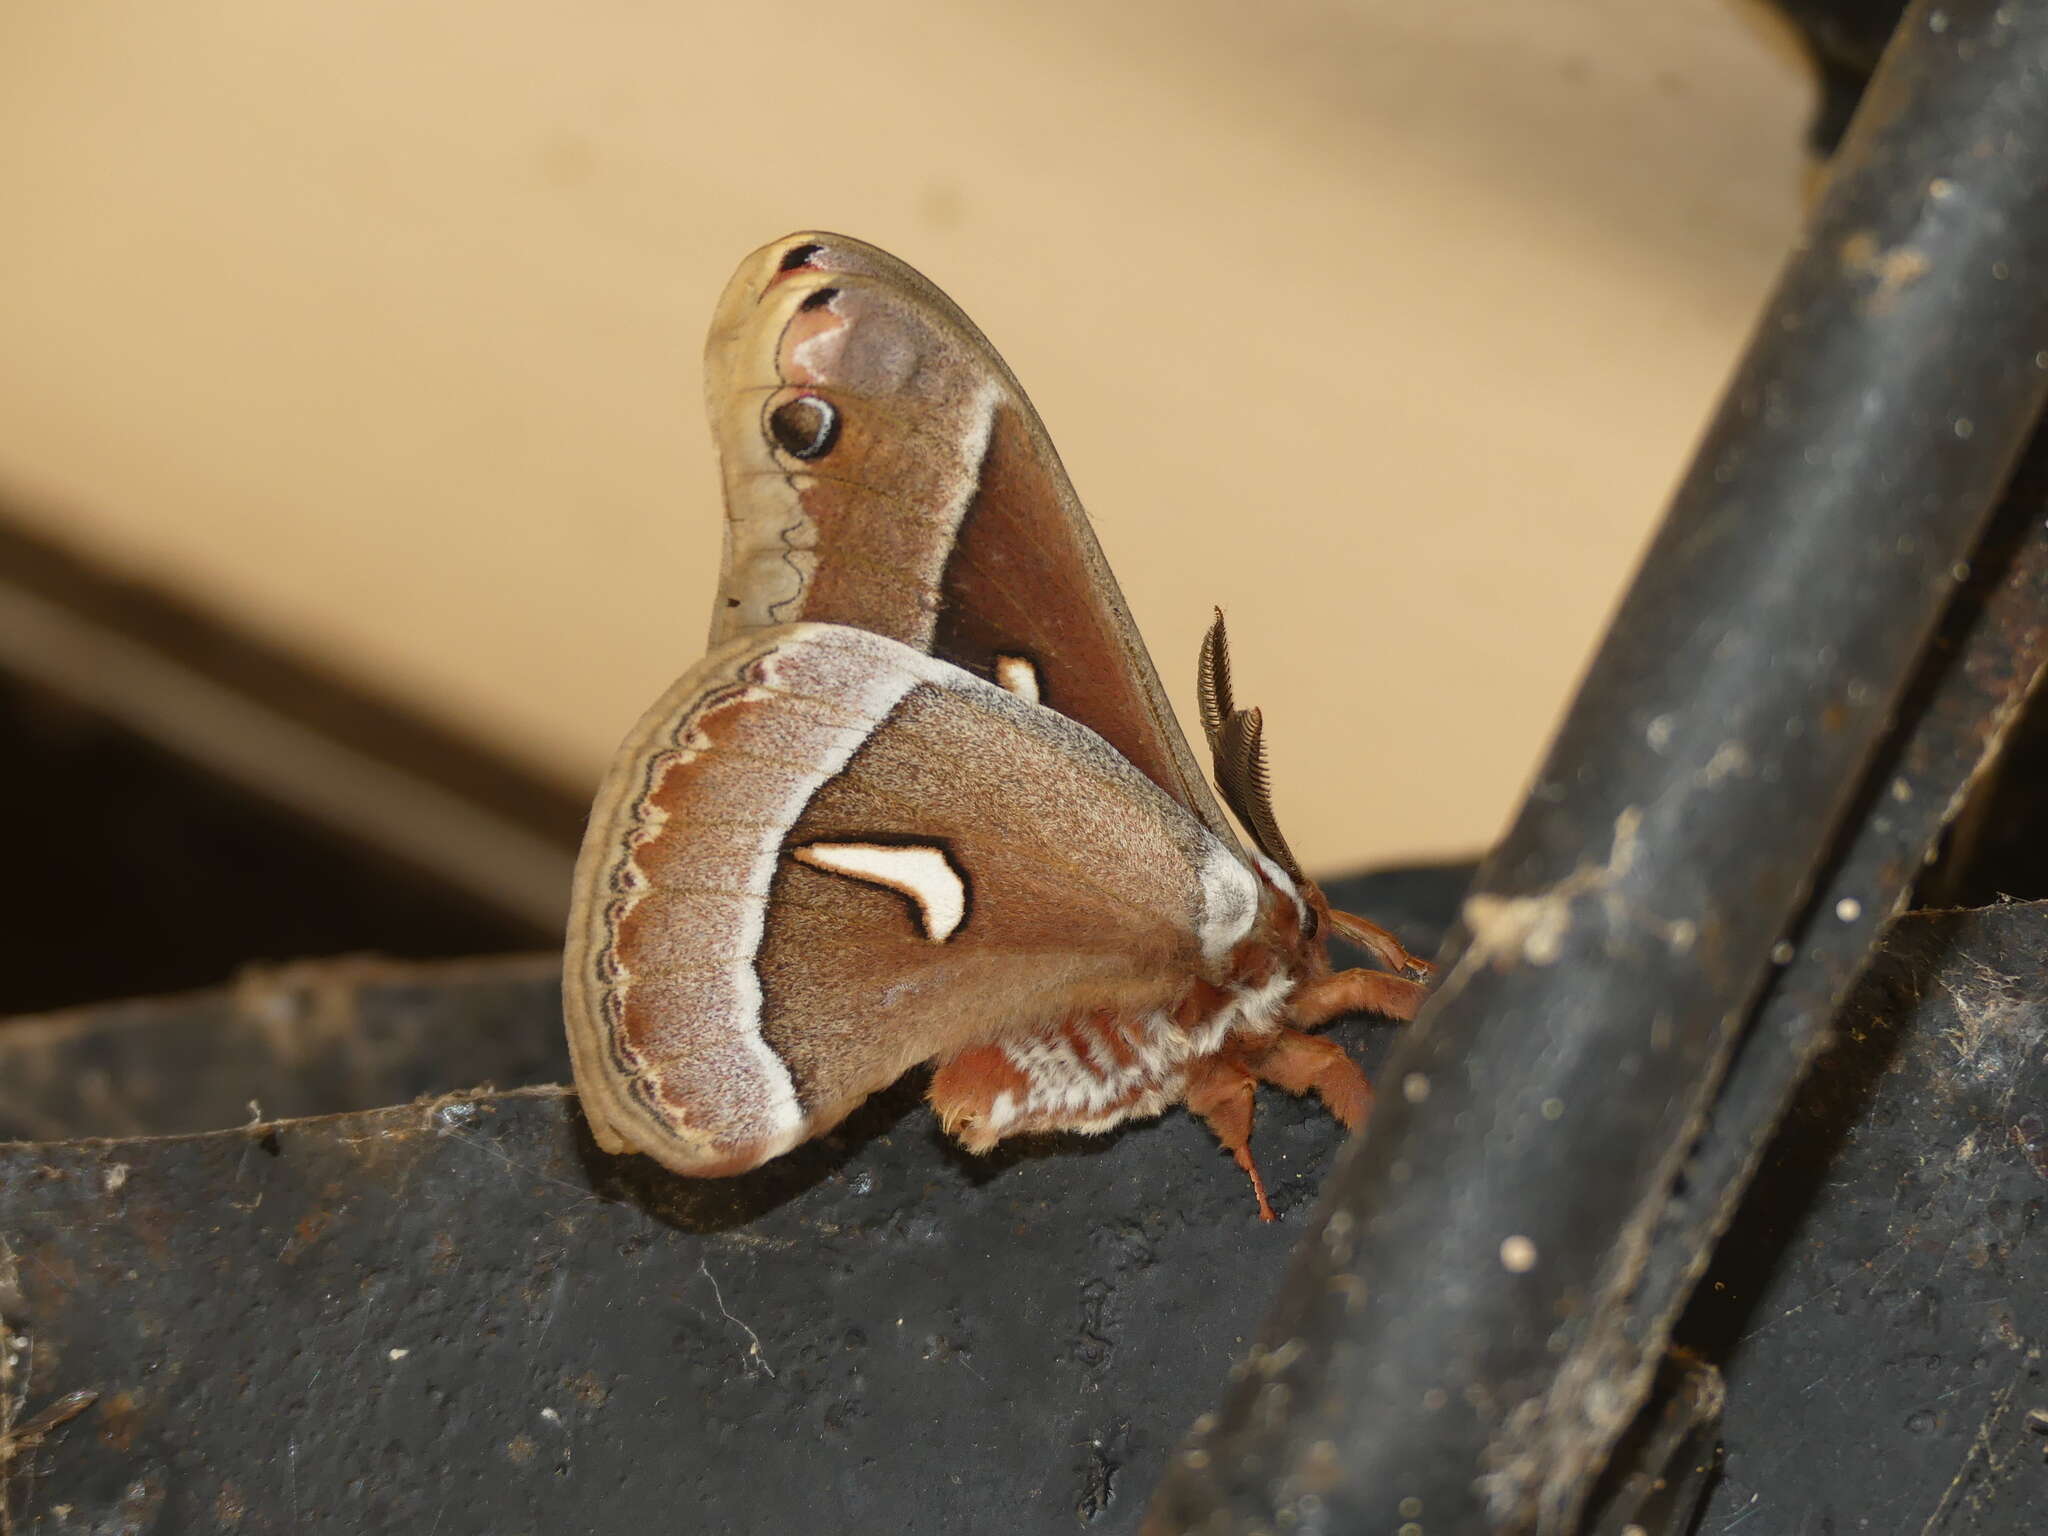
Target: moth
{"type": "Point", "coordinates": [925, 801]}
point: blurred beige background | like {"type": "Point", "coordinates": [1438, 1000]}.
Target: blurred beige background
{"type": "Point", "coordinates": [1386, 327]}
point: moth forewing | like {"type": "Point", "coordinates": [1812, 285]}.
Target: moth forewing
{"type": "Point", "coordinates": [941, 516]}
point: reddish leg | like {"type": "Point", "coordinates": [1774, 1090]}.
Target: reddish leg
{"type": "Point", "coordinates": [1310, 1064]}
{"type": "Point", "coordinates": [1220, 1091]}
{"type": "Point", "coordinates": [1355, 992]}
{"type": "Point", "coordinates": [1380, 944]}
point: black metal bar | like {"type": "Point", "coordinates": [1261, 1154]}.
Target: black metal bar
{"type": "Point", "coordinates": [1985, 663]}
{"type": "Point", "coordinates": [1453, 1348]}
{"type": "Point", "coordinates": [1987, 660]}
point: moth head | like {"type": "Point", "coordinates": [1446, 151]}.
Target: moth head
{"type": "Point", "coordinates": [1237, 750]}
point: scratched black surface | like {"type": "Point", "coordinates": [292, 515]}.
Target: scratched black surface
{"type": "Point", "coordinates": [1882, 1309]}
{"type": "Point", "coordinates": [459, 1317]}
{"type": "Point", "coordinates": [282, 1042]}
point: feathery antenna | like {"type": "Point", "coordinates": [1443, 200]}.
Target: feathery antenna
{"type": "Point", "coordinates": [1212, 681]}
{"type": "Point", "coordinates": [1238, 752]}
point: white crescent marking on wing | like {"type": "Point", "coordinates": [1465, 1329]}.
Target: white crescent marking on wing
{"type": "Point", "coordinates": [922, 873]}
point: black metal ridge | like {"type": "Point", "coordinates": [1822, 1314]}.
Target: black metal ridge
{"type": "Point", "coordinates": [1478, 1309]}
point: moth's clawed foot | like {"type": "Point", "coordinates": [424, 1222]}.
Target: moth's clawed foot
{"type": "Point", "coordinates": [1415, 968]}
{"type": "Point", "coordinates": [1220, 1091]}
